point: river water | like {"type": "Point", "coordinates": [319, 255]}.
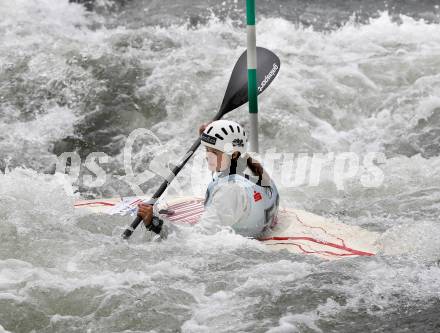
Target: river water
{"type": "Point", "coordinates": [355, 76]}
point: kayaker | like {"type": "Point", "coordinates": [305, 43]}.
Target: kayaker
{"type": "Point", "coordinates": [241, 195]}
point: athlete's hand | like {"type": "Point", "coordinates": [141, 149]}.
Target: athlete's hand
{"type": "Point", "coordinates": [146, 213]}
{"type": "Point", "coordinates": [203, 127]}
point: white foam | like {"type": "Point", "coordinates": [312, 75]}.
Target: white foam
{"type": "Point", "coordinates": [2, 330]}
{"type": "Point", "coordinates": [55, 124]}
{"type": "Point", "coordinates": [211, 311]}
{"type": "Point", "coordinates": [296, 323]}
{"type": "Point", "coordinates": [417, 240]}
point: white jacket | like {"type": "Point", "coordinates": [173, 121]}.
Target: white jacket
{"type": "Point", "coordinates": [229, 204]}
{"type": "Point", "coordinates": [234, 201]}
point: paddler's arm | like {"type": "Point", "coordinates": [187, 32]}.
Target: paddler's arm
{"type": "Point", "coordinates": [146, 213]}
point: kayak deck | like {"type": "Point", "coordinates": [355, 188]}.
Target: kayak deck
{"type": "Point", "coordinates": [296, 231]}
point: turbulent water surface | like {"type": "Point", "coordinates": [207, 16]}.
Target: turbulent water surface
{"type": "Point", "coordinates": [356, 76]}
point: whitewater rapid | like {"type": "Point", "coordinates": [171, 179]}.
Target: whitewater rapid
{"type": "Point", "coordinates": [73, 80]}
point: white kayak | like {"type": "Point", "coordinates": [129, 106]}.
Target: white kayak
{"type": "Point", "coordinates": [296, 230]}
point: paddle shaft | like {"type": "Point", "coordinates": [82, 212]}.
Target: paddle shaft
{"type": "Point", "coordinates": [174, 172]}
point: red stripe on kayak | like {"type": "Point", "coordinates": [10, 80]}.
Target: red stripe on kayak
{"type": "Point", "coordinates": [321, 228]}
{"type": "Point", "coordinates": [186, 209]}
{"type": "Point", "coordinates": [194, 214]}
{"type": "Point", "coordinates": [310, 239]}
{"type": "Point", "coordinates": [133, 202]}
{"type": "Point", "coordinates": [317, 252]}
{"type": "Point", "coordinates": [188, 214]}
{"type": "Point", "coordinates": [190, 220]}
{"type": "Point", "coordinates": [101, 203]}
{"type": "Point", "coordinates": [185, 204]}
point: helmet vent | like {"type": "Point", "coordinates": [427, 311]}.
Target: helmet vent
{"type": "Point", "coordinates": [209, 130]}
{"type": "Point", "coordinates": [219, 136]}
{"type": "Point", "coordinates": [224, 131]}
{"type": "Point", "coordinates": [244, 133]}
{"type": "Point", "coordinates": [238, 129]}
{"type": "Point", "coordinates": [232, 128]}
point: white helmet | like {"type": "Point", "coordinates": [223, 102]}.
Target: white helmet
{"type": "Point", "coordinates": [226, 136]}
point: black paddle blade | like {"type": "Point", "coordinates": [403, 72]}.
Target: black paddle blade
{"type": "Point", "coordinates": [268, 66]}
